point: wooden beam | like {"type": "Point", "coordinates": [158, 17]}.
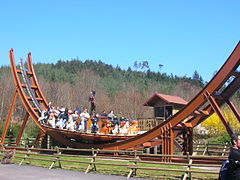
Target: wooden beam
{"type": "Point", "coordinates": [218, 111]}
{"type": "Point", "coordinates": [22, 128]}
{"type": "Point", "coordinates": [234, 109]}
{"type": "Point", "coordinates": [9, 116]}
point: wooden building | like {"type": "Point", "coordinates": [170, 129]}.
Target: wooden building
{"type": "Point", "coordinates": [165, 105]}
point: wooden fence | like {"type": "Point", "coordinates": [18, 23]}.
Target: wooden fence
{"type": "Point", "coordinates": [133, 161]}
{"type": "Point", "coordinates": [26, 142]}
{"type": "Point", "coordinates": [211, 149]}
{"type": "Point", "coordinates": [198, 148]}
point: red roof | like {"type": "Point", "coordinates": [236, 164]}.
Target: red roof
{"type": "Point", "coordinates": [165, 98]}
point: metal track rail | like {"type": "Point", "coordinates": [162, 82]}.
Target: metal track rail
{"type": "Point", "coordinates": [28, 87]}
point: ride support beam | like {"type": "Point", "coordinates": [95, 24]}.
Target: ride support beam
{"type": "Point", "coordinates": [234, 110]}
{"type": "Point", "coordinates": [25, 119]}
{"type": "Point", "coordinates": [41, 140]}
{"type": "Point", "coordinates": [7, 122]}
{"type": "Point", "coordinates": [171, 140]}
{"type": "Point", "coordinates": [188, 141]}
{"type": "Point", "coordinates": [167, 141]}
{"type": "Point", "coordinates": [218, 111]}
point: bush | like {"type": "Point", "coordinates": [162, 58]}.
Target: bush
{"type": "Point", "coordinates": [30, 131]}
{"type": "Point", "coordinates": [12, 130]}
{"type": "Point", "coordinates": [221, 139]}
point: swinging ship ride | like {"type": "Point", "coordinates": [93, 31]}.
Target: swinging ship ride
{"type": "Point", "coordinates": [209, 100]}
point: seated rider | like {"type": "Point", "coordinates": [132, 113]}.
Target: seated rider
{"type": "Point", "coordinates": [94, 126]}
{"type": "Point", "coordinates": [111, 115]}
{"type": "Point", "coordinates": [75, 117]}
{"type": "Point", "coordinates": [84, 117]}
{"type": "Point", "coordinates": [103, 113]}
{"type": "Point", "coordinates": [70, 122]}
{"type": "Point", "coordinates": [44, 117]}
{"type": "Point", "coordinates": [63, 117]}
{"type": "Point", "coordinates": [51, 120]}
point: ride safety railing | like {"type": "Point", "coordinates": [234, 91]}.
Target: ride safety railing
{"type": "Point", "coordinates": [132, 161]}
{"type": "Point", "coordinates": [146, 124]}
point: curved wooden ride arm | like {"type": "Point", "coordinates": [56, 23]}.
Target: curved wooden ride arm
{"type": "Point", "coordinates": [35, 82]}
{"type": "Point", "coordinates": [30, 110]}
{"type": "Point", "coordinates": [214, 85]}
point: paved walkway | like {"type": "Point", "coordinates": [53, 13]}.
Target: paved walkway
{"type": "Point", "coordinates": [25, 172]}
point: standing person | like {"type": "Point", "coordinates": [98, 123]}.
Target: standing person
{"type": "Point", "coordinates": [84, 117]}
{"type": "Point", "coordinates": [234, 158]}
{"type": "Point", "coordinates": [92, 100]}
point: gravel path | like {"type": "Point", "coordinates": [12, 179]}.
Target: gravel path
{"type": "Point", "coordinates": [25, 172]}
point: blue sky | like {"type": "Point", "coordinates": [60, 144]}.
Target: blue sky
{"type": "Point", "coordinates": [184, 36]}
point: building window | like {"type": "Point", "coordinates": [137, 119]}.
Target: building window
{"type": "Point", "coordinates": [163, 111]}
{"type": "Point", "coordinates": [159, 111]}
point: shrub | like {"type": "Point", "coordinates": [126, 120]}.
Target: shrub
{"type": "Point", "coordinates": [221, 139]}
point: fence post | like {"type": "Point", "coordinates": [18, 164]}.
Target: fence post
{"type": "Point", "coordinates": [224, 149]}
{"type": "Point", "coordinates": [205, 150]}
{"type": "Point", "coordinates": [56, 159]}
{"type": "Point", "coordinates": [92, 161]}
{"type": "Point", "coordinates": [135, 154]}
{"type": "Point", "coordinates": [197, 148]}
{"type": "Point", "coordinates": [186, 174]}
{"type": "Point", "coordinates": [26, 156]}
{"type": "Point", "coordinates": [133, 170]}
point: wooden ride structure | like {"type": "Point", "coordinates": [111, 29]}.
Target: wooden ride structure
{"type": "Point", "coordinates": [209, 100]}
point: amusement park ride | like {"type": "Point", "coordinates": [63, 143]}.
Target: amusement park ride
{"type": "Point", "coordinates": [209, 100]}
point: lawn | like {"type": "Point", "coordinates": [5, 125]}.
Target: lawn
{"type": "Point", "coordinates": [114, 170]}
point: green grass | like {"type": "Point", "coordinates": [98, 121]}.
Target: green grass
{"type": "Point", "coordinates": [115, 170]}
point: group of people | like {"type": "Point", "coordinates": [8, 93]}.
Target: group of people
{"type": "Point", "coordinates": [118, 125]}
{"type": "Point", "coordinates": [65, 118]}
{"type": "Point", "coordinates": [75, 120]}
